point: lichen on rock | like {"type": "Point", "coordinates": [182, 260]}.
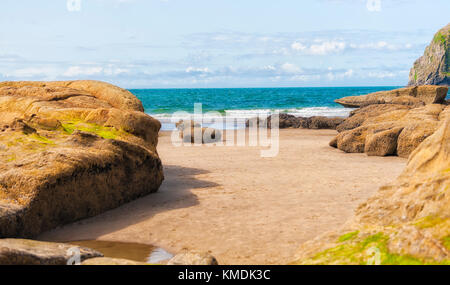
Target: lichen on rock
{"type": "Point", "coordinates": [71, 150]}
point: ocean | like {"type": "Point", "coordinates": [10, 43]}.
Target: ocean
{"type": "Point", "coordinates": [243, 103]}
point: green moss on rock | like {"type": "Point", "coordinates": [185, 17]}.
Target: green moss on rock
{"type": "Point", "coordinates": [105, 132]}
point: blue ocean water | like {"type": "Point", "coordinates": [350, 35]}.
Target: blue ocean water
{"type": "Point", "coordinates": [246, 102]}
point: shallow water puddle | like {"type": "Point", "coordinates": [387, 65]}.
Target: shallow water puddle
{"type": "Point", "coordinates": [132, 251]}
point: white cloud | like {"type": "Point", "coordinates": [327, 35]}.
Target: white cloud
{"type": "Point", "coordinates": [191, 69]}
{"type": "Point", "coordinates": [108, 70]}
{"type": "Point", "coordinates": [328, 47]}
{"type": "Point", "coordinates": [290, 68]}
{"type": "Point", "coordinates": [320, 48]}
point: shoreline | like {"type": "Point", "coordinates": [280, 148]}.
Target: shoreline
{"type": "Point", "coordinates": [242, 208]}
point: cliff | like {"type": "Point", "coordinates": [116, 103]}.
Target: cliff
{"type": "Point", "coordinates": [433, 68]}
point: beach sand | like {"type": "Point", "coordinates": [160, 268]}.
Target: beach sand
{"type": "Point", "coordinates": [242, 208]}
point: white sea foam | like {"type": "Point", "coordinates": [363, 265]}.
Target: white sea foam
{"type": "Point", "coordinates": [168, 120]}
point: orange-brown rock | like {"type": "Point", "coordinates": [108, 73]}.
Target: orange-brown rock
{"type": "Point", "coordinates": [406, 222]}
{"type": "Point", "coordinates": [389, 129]}
{"type": "Point", "coordinates": [410, 96]}
{"type": "Point", "coordinates": [71, 150]}
{"type": "Point", "coordinates": [192, 132]}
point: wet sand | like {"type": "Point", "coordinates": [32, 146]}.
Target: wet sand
{"type": "Point", "coordinates": [241, 207]}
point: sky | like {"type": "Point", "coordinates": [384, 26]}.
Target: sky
{"type": "Point", "coordinates": [217, 43]}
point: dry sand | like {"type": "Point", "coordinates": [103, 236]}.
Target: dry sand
{"type": "Point", "coordinates": [242, 208]}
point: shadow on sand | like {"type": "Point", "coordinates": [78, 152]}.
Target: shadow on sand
{"type": "Point", "coordinates": [173, 194]}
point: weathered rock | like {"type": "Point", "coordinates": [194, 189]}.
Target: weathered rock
{"type": "Point", "coordinates": [359, 116]}
{"type": "Point", "coordinates": [290, 121]}
{"type": "Point", "coordinates": [382, 143]}
{"type": "Point", "coordinates": [320, 122]}
{"type": "Point", "coordinates": [414, 124]}
{"type": "Point", "coordinates": [433, 68]}
{"type": "Point", "coordinates": [406, 222]}
{"type": "Point", "coordinates": [68, 153]}
{"type": "Point", "coordinates": [190, 130]}
{"type": "Point", "coordinates": [414, 96]}
{"type": "Point", "coordinates": [30, 252]}
{"type": "Point", "coordinates": [193, 258]}
{"type": "Point", "coordinates": [111, 261]}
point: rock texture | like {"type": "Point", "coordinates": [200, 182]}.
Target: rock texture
{"type": "Point", "coordinates": [406, 222]}
{"type": "Point", "coordinates": [291, 121]}
{"type": "Point", "coordinates": [71, 150]}
{"type": "Point", "coordinates": [193, 258]}
{"type": "Point", "coordinates": [30, 252]}
{"type": "Point", "coordinates": [433, 68]}
{"type": "Point", "coordinates": [190, 130]}
{"type": "Point", "coordinates": [392, 129]}
{"type": "Point", "coordinates": [410, 96]}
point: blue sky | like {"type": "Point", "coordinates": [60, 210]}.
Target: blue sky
{"type": "Point", "coordinates": [217, 43]}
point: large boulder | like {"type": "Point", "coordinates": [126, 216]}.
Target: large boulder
{"type": "Point", "coordinates": [30, 252]}
{"type": "Point", "coordinates": [71, 150]}
{"type": "Point", "coordinates": [410, 96]}
{"type": "Point", "coordinates": [191, 132]}
{"type": "Point", "coordinates": [433, 68]}
{"type": "Point", "coordinates": [406, 222]}
{"type": "Point", "coordinates": [384, 130]}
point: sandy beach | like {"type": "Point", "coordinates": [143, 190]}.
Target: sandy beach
{"type": "Point", "coordinates": [242, 208]}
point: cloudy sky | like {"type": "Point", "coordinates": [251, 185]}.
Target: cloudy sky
{"type": "Point", "coordinates": [217, 43]}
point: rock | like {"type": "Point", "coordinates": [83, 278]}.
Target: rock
{"type": "Point", "coordinates": [190, 130]}
{"type": "Point", "coordinates": [68, 153]}
{"type": "Point", "coordinates": [415, 96]}
{"type": "Point", "coordinates": [30, 252]}
{"type": "Point", "coordinates": [359, 116]}
{"type": "Point", "coordinates": [382, 143]}
{"type": "Point", "coordinates": [406, 222]}
{"type": "Point", "coordinates": [414, 124]}
{"type": "Point", "coordinates": [433, 68]}
{"type": "Point", "coordinates": [111, 261]}
{"type": "Point", "coordinates": [319, 122]}
{"type": "Point", "coordinates": [291, 121]}
{"type": "Point", "coordinates": [193, 258]}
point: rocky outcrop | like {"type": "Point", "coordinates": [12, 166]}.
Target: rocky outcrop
{"type": "Point", "coordinates": [71, 150]}
{"type": "Point", "coordinates": [193, 258]}
{"type": "Point", "coordinates": [391, 129]}
{"type": "Point", "coordinates": [410, 96]}
{"type": "Point", "coordinates": [433, 68]}
{"type": "Point", "coordinates": [190, 130]}
{"type": "Point", "coordinates": [406, 222]}
{"type": "Point", "coordinates": [30, 252]}
{"type": "Point", "coordinates": [290, 121]}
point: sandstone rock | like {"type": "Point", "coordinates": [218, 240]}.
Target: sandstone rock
{"type": "Point", "coordinates": [410, 96]}
{"type": "Point", "coordinates": [110, 261]}
{"type": "Point", "coordinates": [319, 122]}
{"type": "Point", "coordinates": [30, 252]}
{"type": "Point", "coordinates": [69, 153]}
{"type": "Point", "coordinates": [291, 121]}
{"type": "Point", "coordinates": [433, 68]}
{"type": "Point", "coordinates": [382, 143]}
{"type": "Point", "coordinates": [359, 116]}
{"type": "Point", "coordinates": [190, 130]}
{"type": "Point", "coordinates": [193, 258]}
{"type": "Point", "coordinates": [414, 124]}
{"type": "Point", "coordinates": [406, 222]}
